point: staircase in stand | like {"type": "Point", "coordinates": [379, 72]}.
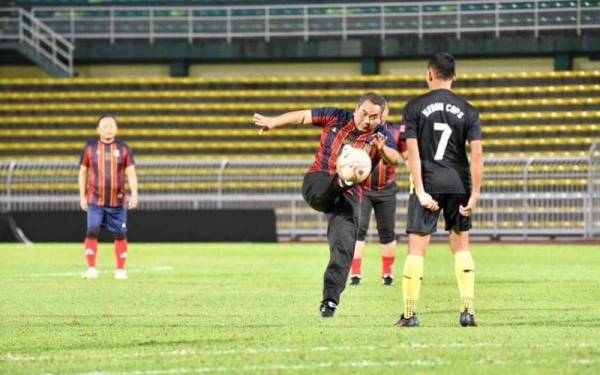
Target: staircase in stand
{"type": "Point", "coordinates": [32, 38]}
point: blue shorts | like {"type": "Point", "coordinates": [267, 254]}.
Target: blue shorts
{"type": "Point", "coordinates": [112, 218]}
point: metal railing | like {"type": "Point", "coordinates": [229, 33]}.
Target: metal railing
{"type": "Point", "coordinates": [593, 205]}
{"type": "Point", "coordinates": [316, 20]}
{"type": "Point", "coordinates": [548, 197]}
{"type": "Point", "coordinates": [18, 25]}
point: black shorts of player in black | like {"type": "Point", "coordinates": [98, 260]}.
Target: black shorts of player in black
{"type": "Point", "coordinates": [323, 193]}
{"type": "Point", "coordinates": [422, 220]}
{"type": "Point", "coordinates": [384, 204]}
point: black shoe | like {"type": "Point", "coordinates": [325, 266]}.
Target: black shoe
{"type": "Point", "coordinates": [467, 320]}
{"type": "Point", "coordinates": [355, 280]}
{"type": "Point", "coordinates": [327, 309]}
{"type": "Point", "coordinates": [387, 279]}
{"type": "Point", "coordinates": [413, 321]}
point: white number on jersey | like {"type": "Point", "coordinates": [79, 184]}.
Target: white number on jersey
{"type": "Point", "coordinates": [446, 131]}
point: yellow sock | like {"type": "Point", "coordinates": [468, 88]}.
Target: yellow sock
{"type": "Point", "coordinates": [464, 267]}
{"type": "Point", "coordinates": [411, 283]}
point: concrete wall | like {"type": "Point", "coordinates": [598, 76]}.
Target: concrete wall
{"type": "Point", "coordinates": [123, 70]}
{"type": "Point", "coordinates": [584, 63]}
{"type": "Point", "coordinates": [299, 68]}
{"type": "Point", "coordinates": [472, 65]}
{"type": "Point", "coordinates": [22, 71]}
{"type": "Point", "coordinates": [275, 69]}
{"type": "Point", "coordinates": [147, 226]}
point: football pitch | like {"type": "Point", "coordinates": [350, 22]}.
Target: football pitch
{"type": "Point", "coordinates": [253, 308]}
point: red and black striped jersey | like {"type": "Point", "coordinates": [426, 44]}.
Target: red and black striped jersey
{"type": "Point", "coordinates": [106, 164]}
{"type": "Point", "coordinates": [338, 130]}
{"type": "Point", "coordinates": [383, 175]}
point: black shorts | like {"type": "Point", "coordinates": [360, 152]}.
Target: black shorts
{"type": "Point", "coordinates": [384, 205]}
{"type": "Point", "coordinates": [421, 220]}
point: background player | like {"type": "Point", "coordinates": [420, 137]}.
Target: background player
{"type": "Point", "coordinates": [324, 191]}
{"type": "Point", "coordinates": [438, 125]}
{"type": "Point", "coordinates": [103, 166]}
{"type": "Point", "coordinates": [380, 195]}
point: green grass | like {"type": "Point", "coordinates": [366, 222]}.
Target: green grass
{"type": "Point", "coordinates": [239, 308]}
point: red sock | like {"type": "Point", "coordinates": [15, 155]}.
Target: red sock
{"type": "Point", "coordinates": [356, 264]}
{"type": "Point", "coordinates": [91, 248]}
{"type": "Point", "coordinates": [386, 265]}
{"type": "Point", "coordinates": [121, 253]}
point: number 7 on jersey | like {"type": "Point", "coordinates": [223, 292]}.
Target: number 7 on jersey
{"type": "Point", "coordinates": [446, 132]}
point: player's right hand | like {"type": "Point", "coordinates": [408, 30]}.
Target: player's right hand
{"type": "Point", "coordinates": [83, 204]}
{"type": "Point", "coordinates": [379, 141]}
{"type": "Point", "coordinates": [133, 202]}
{"type": "Point", "coordinates": [469, 208]}
{"type": "Point", "coordinates": [263, 122]}
{"type": "Point", "coordinates": [428, 202]}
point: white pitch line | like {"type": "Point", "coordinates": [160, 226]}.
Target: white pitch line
{"type": "Point", "coordinates": [184, 352]}
{"type": "Point", "coordinates": [583, 361]}
{"type": "Point", "coordinates": [79, 273]}
{"type": "Point", "coordinates": [321, 365]}
{"type": "Point", "coordinates": [276, 367]}
{"type": "Point", "coordinates": [190, 352]}
{"type": "Point", "coordinates": [187, 352]}
{"type": "Point", "coordinates": [9, 357]}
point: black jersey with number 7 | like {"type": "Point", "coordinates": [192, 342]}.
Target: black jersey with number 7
{"type": "Point", "coordinates": [442, 123]}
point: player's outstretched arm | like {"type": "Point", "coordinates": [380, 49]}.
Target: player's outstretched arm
{"type": "Point", "coordinates": [82, 182]}
{"type": "Point", "coordinates": [414, 166]}
{"type": "Point", "coordinates": [303, 117]}
{"type": "Point", "coordinates": [476, 177]}
{"type": "Point", "coordinates": [133, 185]}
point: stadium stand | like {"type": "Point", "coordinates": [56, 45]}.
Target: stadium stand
{"type": "Point", "coordinates": [525, 114]}
{"type": "Point", "coordinates": [192, 133]}
{"type": "Point", "coordinates": [91, 21]}
{"type": "Point", "coordinates": [194, 137]}
{"type": "Point", "coordinates": [397, 17]}
{"type": "Point", "coordinates": [68, 33]}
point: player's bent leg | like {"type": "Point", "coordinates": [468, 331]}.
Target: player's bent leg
{"type": "Point", "coordinates": [341, 235]}
{"type": "Point", "coordinates": [464, 268]}
{"type": "Point", "coordinates": [321, 191]}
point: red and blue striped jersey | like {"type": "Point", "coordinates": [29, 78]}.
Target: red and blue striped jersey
{"type": "Point", "coordinates": [106, 164]}
{"type": "Point", "coordinates": [383, 175]}
{"type": "Point", "coordinates": [339, 129]}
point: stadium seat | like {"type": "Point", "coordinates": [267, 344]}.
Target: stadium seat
{"type": "Point", "coordinates": [524, 113]}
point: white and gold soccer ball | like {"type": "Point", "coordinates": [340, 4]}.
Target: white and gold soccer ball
{"type": "Point", "coordinates": [353, 165]}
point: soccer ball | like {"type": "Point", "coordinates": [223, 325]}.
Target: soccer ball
{"type": "Point", "coordinates": [353, 165]}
